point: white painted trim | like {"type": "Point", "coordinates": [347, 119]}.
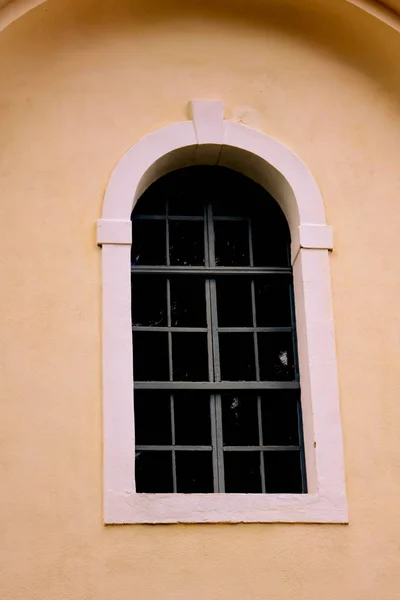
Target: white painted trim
{"type": "Point", "coordinates": [285, 176]}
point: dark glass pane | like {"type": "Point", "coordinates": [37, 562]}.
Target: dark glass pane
{"type": "Point", "coordinates": [270, 242]}
{"type": "Point", "coordinates": [273, 302]}
{"type": "Point", "coordinates": [148, 243]}
{"type": "Point", "coordinates": [188, 302]}
{"type": "Point", "coordinates": [233, 193]}
{"type": "Point", "coordinates": [276, 357]}
{"type": "Point", "coordinates": [279, 418]}
{"type": "Point", "coordinates": [234, 302]}
{"type": "Point", "coordinates": [152, 202]}
{"type": "Point", "coordinates": [149, 300]}
{"type": "Point", "coordinates": [186, 243]}
{"type": "Point", "coordinates": [190, 356]}
{"type": "Point", "coordinates": [231, 243]}
{"type": "Point", "coordinates": [282, 472]}
{"type": "Point", "coordinates": [153, 472]}
{"type": "Point", "coordinates": [242, 472]}
{"type": "Point", "coordinates": [236, 352]}
{"type": "Point", "coordinates": [150, 356]}
{"type": "Point", "coordinates": [192, 418]}
{"type": "Point", "coordinates": [152, 418]}
{"type": "Point", "coordinates": [194, 472]}
{"type": "Point", "coordinates": [240, 420]}
{"type": "Point", "coordinates": [185, 191]}
{"type": "Point", "coordinates": [186, 202]}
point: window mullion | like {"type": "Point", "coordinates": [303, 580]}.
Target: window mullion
{"type": "Point", "coordinates": [216, 404]}
{"type": "Point", "coordinates": [257, 361]}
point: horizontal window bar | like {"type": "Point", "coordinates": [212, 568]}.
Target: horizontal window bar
{"type": "Point", "coordinates": [144, 447]}
{"type": "Point", "coordinates": [170, 218]}
{"type": "Point", "coordinates": [255, 329]}
{"type": "Point", "coordinates": [179, 270]}
{"type": "Point", "coordinates": [216, 386]}
{"type": "Point", "coordinates": [261, 448]}
{"type": "Point", "coordinates": [171, 329]}
{"type": "Point", "coordinates": [228, 218]}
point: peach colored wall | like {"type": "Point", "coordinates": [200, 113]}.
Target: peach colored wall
{"type": "Point", "coordinates": [80, 82]}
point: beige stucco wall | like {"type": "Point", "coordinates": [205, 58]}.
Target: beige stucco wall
{"type": "Point", "coordinates": [80, 82]}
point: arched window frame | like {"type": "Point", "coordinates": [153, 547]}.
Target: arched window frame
{"type": "Point", "coordinates": [209, 139]}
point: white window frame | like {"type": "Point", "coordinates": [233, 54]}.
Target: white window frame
{"type": "Point", "coordinates": [209, 139]}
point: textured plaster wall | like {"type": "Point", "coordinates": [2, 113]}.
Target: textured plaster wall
{"type": "Point", "coordinates": [80, 82]}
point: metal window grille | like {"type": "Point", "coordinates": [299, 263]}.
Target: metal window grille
{"type": "Point", "coordinates": [217, 392]}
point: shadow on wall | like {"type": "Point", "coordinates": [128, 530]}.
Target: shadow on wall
{"type": "Point", "coordinates": [339, 30]}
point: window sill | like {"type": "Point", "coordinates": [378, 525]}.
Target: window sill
{"type": "Point", "coordinates": [224, 508]}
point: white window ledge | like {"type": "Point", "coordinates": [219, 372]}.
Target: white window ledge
{"type": "Point", "coordinates": [208, 139]}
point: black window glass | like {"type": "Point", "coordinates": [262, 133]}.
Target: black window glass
{"type": "Point", "coordinates": [231, 243]}
{"type": "Point", "coordinates": [237, 360]}
{"type": "Point", "coordinates": [192, 418]}
{"type": "Point", "coordinates": [272, 298]}
{"type": "Point", "coordinates": [276, 357]}
{"type": "Point", "coordinates": [242, 472]}
{"type": "Point", "coordinates": [280, 424]}
{"type": "Point", "coordinates": [149, 301]}
{"type": "Point", "coordinates": [240, 420]}
{"type": "Point", "coordinates": [282, 472]}
{"type": "Point", "coordinates": [148, 242]}
{"type": "Point", "coordinates": [150, 356]}
{"type": "Point", "coordinates": [186, 243]}
{"type": "Point", "coordinates": [194, 472]}
{"type": "Point", "coordinates": [234, 304]}
{"type": "Point", "coordinates": [213, 326]}
{"type": "Point", "coordinates": [188, 302]}
{"type": "Point", "coordinates": [153, 472]}
{"type": "Point", "coordinates": [190, 356]}
{"type": "Point", "coordinates": [152, 417]}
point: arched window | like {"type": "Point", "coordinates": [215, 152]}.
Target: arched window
{"type": "Point", "coordinates": [216, 377]}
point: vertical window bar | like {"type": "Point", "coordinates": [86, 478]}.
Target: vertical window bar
{"type": "Point", "coordinates": [213, 417]}
{"type": "Point", "coordinates": [257, 361]}
{"type": "Point", "coordinates": [215, 345]}
{"type": "Point", "coordinates": [253, 305]}
{"type": "Point", "coordinates": [172, 408]}
{"type": "Point", "coordinates": [260, 437]}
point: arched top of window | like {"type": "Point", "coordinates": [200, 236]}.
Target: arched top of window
{"type": "Point", "coordinates": [237, 205]}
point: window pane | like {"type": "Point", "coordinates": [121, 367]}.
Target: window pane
{"type": "Point", "coordinates": [279, 418]}
{"type": "Point", "coordinates": [282, 472]}
{"type": "Point", "coordinates": [186, 202]}
{"type": "Point", "coordinates": [150, 356]}
{"type": "Point", "coordinates": [272, 296]}
{"type": "Point", "coordinates": [237, 356]}
{"type": "Point", "coordinates": [149, 300]}
{"type": "Point", "coordinates": [231, 243]}
{"type": "Point", "coordinates": [190, 356]}
{"type": "Point", "coordinates": [153, 472]}
{"type": "Point", "coordinates": [192, 419]}
{"type": "Point", "coordinates": [148, 243]}
{"type": "Point", "coordinates": [188, 302]}
{"type": "Point", "coordinates": [240, 420]}
{"type": "Point", "coordinates": [151, 203]}
{"type": "Point", "coordinates": [152, 418]}
{"type": "Point", "coordinates": [270, 243]}
{"type": "Point", "coordinates": [186, 243]}
{"type": "Point", "coordinates": [276, 357]}
{"type": "Point", "coordinates": [194, 472]}
{"type": "Point", "coordinates": [242, 472]}
{"type": "Point", "coordinates": [234, 302]}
